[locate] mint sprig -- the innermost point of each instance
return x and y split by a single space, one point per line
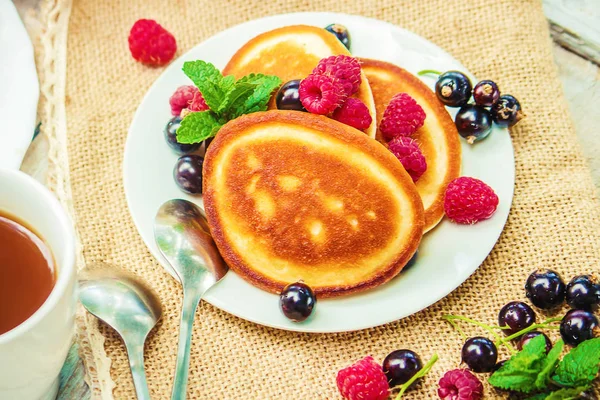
520 372
580 366
531 370
226 98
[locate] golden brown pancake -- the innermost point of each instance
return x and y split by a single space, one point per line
292 52
437 138
294 196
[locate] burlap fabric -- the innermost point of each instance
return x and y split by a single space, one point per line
554 220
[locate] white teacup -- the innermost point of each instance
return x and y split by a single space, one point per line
32 354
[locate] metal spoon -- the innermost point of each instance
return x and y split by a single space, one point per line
183 237
129 307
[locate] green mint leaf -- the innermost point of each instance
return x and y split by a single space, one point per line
259 99
209 81
198 126
227 83
226 97
566 394
520 372
235 98
549 365
580 366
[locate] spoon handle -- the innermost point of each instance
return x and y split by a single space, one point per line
135 353
191 298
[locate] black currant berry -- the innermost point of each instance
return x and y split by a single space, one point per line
578 326
517 316
188 173
473 123
507 111
453 88
583 292
288 97
545 289
297 301
401 365
480 354
341 32
486 93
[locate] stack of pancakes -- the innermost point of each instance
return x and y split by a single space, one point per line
294 196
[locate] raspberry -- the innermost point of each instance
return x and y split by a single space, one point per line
460 384
363 380
408 152
319 94
469 200
402 117
198 103
354 113
150 43
182 98
344 70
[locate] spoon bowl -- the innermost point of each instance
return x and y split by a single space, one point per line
183 237
127 305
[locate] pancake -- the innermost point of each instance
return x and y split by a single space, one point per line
294 196
437 138
292 52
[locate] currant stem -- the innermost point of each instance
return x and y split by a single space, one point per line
458 328
421 373
428 71
449 317
489 328
541 325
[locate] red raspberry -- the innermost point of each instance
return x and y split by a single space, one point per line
198 103
150 43
408 152
402 117
344 70
354 113
469 200
363 380
319 94
460 384
182 98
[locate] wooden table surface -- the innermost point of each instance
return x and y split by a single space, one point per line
581 85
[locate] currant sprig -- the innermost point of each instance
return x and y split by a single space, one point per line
492 329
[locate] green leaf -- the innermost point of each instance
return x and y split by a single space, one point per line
227 83
580 366
209 81
226 97
520 372
235 98
259 99
566 394
549 365
198 126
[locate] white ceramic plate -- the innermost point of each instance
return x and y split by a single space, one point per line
19 87
447 255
